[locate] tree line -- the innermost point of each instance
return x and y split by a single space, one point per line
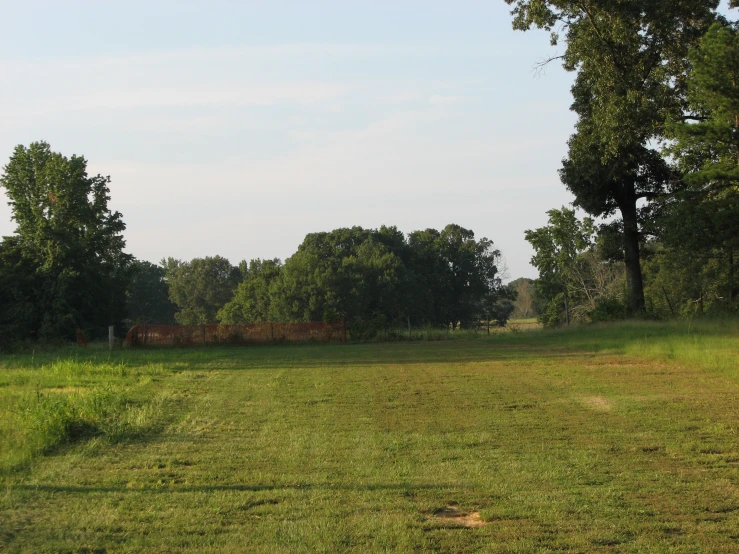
653 162
655 154
65 269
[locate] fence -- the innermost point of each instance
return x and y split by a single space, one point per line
250 333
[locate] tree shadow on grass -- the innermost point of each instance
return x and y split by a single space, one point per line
168 489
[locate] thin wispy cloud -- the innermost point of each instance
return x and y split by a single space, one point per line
249 143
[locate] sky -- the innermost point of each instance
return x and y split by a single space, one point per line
236 128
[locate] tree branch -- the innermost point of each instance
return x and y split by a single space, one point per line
601 36
541 65
693 117
648 195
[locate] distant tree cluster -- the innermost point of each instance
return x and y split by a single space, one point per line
65 270
377 278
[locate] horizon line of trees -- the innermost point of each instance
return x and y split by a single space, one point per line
655 153
65 269
369 278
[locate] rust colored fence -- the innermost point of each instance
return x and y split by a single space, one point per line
250 333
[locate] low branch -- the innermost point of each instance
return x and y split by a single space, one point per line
693 117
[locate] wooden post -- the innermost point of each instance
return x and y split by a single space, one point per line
731 277
111 336
202 331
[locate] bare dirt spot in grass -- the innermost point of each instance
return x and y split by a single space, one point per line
452 514
598 403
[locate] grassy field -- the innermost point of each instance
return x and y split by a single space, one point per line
619 438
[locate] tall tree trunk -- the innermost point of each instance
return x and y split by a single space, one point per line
634 280
731 276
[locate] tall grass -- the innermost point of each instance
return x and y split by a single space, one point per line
68 400
708 345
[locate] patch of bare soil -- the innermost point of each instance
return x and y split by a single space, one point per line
452 514
598 403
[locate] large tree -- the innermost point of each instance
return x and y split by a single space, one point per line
344 274
452 272
704 215
630 57
70 242
377 278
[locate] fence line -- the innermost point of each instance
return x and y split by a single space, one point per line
249 333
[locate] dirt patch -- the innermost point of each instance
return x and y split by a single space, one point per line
598 403
452 514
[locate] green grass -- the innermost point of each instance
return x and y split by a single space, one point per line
613 438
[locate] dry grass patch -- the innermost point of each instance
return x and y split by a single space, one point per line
598 403
452 514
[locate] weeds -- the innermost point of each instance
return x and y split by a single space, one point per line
66 400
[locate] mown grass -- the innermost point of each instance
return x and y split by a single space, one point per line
612 438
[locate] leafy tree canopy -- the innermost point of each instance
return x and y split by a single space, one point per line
148 295
70 241
200 287
631 60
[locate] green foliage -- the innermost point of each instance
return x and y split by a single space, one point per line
200 287
373 279
251 301
707 138
631 58
608 309
148 295
498 306
526 304
684 282
702 218
574 279
68 244
342 275
19 283
452 274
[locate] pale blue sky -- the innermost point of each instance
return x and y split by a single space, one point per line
235 128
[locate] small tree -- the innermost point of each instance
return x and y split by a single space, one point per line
573 278
525 302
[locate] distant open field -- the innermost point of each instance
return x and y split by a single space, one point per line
621 438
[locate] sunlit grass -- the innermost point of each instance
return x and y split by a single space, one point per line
601 438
